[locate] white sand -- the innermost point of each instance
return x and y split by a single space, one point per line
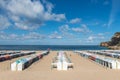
84 69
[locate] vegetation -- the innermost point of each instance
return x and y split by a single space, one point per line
113 43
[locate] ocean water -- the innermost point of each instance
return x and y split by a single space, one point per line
52 47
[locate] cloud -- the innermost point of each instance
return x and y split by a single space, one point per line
55 35
24 26
78 29
97 37
55 17
33 35
49 6
29 36
71 32
4 36
29 14
82 29
76 20
91 38
65 31
64 28
4 23
114 12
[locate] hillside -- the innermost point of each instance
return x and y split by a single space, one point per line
114 43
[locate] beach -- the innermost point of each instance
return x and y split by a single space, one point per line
84 69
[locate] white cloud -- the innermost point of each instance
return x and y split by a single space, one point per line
33 35
76 20
49 6
83 29
64 28
55 17
114 12
78 29
71 32
26 26
65 31
97 37
29 36
55 35
28 14
4 23
91 38
4 36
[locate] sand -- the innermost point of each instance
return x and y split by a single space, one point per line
84 69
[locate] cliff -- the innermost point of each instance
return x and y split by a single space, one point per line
114 43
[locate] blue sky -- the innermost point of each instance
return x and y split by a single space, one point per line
58 22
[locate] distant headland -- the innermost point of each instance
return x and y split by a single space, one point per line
114 43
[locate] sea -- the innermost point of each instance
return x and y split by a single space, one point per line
51 47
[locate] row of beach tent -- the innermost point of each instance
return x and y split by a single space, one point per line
8 52
106 62
11 55
111 51
23 63
62 61
105 53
